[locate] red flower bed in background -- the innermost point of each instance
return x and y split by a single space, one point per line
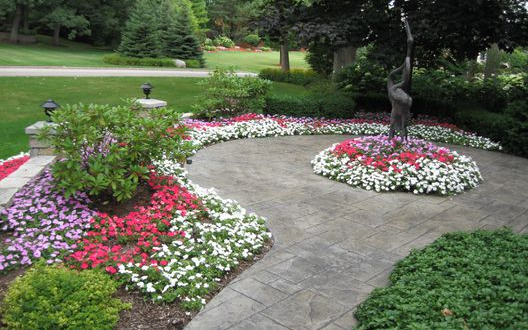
9 166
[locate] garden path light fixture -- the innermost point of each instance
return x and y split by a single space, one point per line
147 88
49 106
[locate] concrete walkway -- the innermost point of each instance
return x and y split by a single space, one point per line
35 71
334 243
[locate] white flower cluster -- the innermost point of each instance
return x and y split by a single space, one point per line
267 127
213 244
432 176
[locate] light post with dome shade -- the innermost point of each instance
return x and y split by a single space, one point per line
49 106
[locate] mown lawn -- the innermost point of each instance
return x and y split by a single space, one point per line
44 54
22 97
253 62
74 54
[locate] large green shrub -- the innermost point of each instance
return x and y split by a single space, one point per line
227 94
509 128
294 76
117 59
320 58
107 150
362 77
224 42
474 280
252 39
311 105
58 298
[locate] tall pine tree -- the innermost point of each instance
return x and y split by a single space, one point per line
141 36
179 40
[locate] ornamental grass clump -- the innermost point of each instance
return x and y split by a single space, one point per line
383 164
475 280
53 297
106 150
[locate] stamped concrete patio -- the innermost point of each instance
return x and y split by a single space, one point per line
335 243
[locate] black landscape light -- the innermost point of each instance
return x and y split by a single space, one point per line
49 106
147 88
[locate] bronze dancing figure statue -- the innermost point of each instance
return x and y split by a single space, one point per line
399 96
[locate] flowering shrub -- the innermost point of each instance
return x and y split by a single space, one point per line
382 164
107 149
11 164
44 224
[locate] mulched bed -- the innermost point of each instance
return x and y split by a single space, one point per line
145 314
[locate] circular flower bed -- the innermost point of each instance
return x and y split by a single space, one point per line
381 164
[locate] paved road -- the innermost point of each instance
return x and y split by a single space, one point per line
102 72
335 243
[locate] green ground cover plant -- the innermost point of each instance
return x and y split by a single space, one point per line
464 280
53 297
23 96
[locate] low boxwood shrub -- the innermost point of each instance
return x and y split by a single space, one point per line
227 94
194 64
49 297
106 149
475 280
311 105
117 59
294 76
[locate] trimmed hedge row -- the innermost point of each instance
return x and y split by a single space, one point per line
117 59
311 105
294 76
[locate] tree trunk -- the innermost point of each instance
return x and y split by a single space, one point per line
284 57
56 35
343 57
26 19
13 37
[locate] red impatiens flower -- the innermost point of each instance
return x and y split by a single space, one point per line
139 232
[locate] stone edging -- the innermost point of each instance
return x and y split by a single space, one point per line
16 180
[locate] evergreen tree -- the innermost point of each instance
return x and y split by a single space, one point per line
141 37
200 12
180 42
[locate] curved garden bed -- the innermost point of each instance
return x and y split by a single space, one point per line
382 164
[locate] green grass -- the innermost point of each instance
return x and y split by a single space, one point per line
78 54
44 54
23 96
253 62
